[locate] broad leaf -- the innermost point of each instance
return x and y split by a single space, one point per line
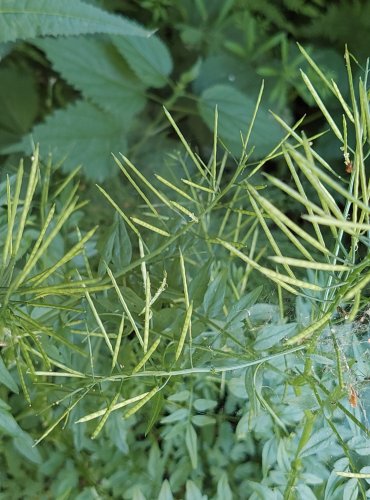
94 67
18 104
26 19
235 111
148 57
80 134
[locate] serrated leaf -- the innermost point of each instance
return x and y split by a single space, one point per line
235 112
192 445
6 378
26 19
149 58
93 66
80 134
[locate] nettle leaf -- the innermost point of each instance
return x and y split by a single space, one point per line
32 18
149 58
94 67
80 134
18 103
235 112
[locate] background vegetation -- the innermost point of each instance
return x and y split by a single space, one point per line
200 328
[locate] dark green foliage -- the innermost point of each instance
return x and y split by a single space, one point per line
204 53
210 339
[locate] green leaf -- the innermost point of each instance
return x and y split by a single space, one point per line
18 104
239 311
32 18
350 491
24 444
8 424
223 488
165 493
115 246
273 334
80 134
215 295
149 58
202 420
204 404
235 111
6 378
193 492
225 69
191 441
176 416
198 285
94 67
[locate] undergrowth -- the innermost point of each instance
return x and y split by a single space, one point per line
207 344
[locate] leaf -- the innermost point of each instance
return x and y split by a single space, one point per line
149 58
6 378
176 416
225 69
155 412
322 439
80 134
215 295
193 492
273 334
165 493
192 445
239 311
204 404
26 19
18 103
93 66
223 488
235 111
202 420
8 424
198 285
350 491
25 445
115 246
